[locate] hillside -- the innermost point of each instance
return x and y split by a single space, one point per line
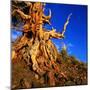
72 72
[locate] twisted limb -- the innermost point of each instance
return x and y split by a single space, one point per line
21 13
46 19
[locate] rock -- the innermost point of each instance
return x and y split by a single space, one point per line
25 83
42 80
36 76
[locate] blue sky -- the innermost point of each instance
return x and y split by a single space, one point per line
76 33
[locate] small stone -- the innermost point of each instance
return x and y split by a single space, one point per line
25 83
36 76
42 80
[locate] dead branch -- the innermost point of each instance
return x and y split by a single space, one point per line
54 34
66 23
21 13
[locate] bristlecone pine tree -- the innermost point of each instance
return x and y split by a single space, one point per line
34 56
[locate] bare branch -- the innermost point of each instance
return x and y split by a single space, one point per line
28 3
49 16
66 23
54 34
23 16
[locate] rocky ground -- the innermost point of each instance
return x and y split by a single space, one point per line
72 72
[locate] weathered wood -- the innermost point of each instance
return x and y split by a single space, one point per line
35 46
